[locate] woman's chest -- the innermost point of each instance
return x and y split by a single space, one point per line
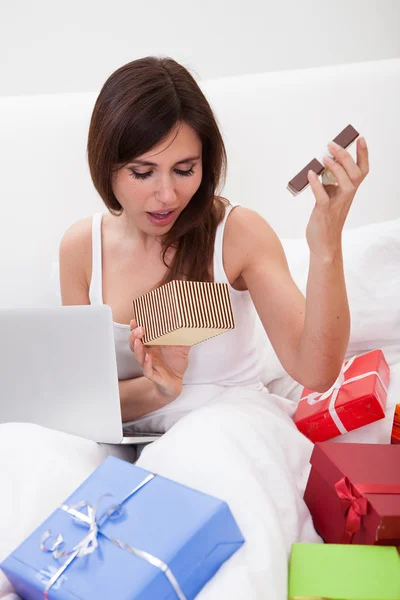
127 276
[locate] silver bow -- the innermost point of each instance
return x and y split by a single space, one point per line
90 543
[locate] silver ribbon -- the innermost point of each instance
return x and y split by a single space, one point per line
90 542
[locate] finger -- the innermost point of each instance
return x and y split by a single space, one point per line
344 158
343 180
136 334
321 197
132 339
139 351
149 371
132 325
363 156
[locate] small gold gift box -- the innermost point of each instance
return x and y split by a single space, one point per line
184 313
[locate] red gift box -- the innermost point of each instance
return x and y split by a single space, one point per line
353 493
357 398
395 437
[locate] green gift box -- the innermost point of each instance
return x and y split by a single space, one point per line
344 572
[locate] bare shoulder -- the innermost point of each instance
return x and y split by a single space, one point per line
249 234
77 240
79 234
76 249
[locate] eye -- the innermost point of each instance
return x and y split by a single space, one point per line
137 175
185 173
140 175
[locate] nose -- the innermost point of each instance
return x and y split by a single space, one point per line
165 192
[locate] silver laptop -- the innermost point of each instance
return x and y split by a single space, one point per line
58 369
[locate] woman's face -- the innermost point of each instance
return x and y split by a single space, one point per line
154 188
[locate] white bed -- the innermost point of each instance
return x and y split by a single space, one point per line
241 448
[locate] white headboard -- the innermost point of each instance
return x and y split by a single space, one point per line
276 123
273 124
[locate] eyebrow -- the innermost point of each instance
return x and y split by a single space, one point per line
148 163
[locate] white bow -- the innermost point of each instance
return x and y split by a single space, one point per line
315 397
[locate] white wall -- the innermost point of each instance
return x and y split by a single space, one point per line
50 46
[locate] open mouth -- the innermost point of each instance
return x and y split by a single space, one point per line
161 218
161 215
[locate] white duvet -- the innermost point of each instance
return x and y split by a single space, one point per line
241 447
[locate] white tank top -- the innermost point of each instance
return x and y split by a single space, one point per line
230 359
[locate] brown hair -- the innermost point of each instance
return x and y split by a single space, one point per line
138 106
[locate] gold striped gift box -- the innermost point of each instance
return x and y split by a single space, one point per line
184 313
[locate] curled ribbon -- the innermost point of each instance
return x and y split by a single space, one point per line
315 397
89 543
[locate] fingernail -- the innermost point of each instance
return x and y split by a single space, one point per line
311 174
137 331
363 143
131 325
328 159
134 345
146 358
334 145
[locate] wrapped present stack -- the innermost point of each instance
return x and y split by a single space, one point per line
125 533
184 313
357 398
353 494
353 491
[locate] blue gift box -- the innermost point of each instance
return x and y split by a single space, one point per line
189 532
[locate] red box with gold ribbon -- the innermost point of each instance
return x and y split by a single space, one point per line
396 426
353 493
357 398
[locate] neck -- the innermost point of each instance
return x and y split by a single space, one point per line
129 230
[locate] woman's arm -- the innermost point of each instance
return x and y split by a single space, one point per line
310 336
138 396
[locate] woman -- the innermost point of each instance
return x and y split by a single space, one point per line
156 158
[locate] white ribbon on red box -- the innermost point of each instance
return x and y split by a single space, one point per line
316 397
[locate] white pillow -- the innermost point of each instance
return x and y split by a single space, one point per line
372 269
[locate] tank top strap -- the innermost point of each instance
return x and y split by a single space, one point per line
96 282
219 271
